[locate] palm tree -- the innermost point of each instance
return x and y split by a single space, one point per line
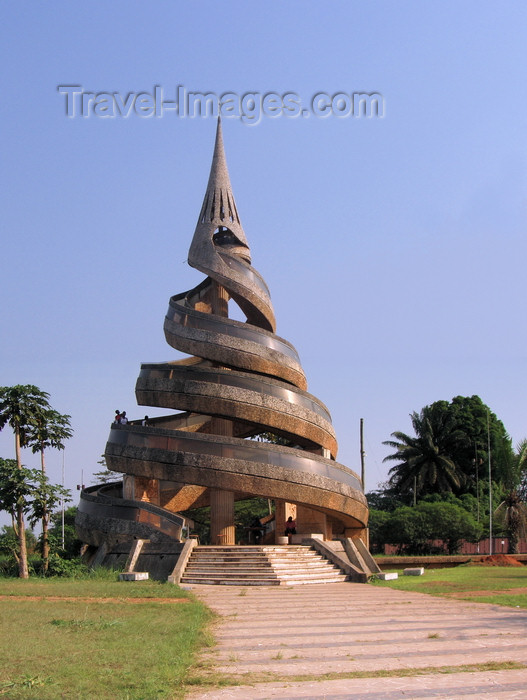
512 515
50 429
512 511
426 461
20 407
521 456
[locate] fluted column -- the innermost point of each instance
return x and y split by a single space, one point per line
222 529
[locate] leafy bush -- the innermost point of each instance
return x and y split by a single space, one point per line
376 523
72 568
413 529
9 541
72 545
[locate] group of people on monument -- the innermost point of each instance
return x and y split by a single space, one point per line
120 417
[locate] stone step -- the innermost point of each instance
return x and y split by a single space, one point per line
311 575
293 555
263 564
204 581
219 556
259 565
303 549
261 581
256 560
315 566
244 549
235 571
235 558
236 561
247 547
296 582
264 570
281 564
231 574
292 560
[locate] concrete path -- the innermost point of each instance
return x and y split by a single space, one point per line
279 633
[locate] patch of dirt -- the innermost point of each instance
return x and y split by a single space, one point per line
498 560
509 591
74 599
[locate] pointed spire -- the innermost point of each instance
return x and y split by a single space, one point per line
219 173
219 207
220 250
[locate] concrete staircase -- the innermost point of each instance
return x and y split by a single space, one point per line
265 565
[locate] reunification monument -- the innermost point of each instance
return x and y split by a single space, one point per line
240 380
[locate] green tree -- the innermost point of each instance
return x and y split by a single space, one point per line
247 513
10 549
377 520
450 523
72 545
414 530
479 425
50 430
521 454
27 490
406 528
44 498
273 438
105 476
15 492
20 407
450 450
425 463
384 498
511 514
9 541
522 459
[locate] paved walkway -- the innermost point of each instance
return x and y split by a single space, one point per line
286 632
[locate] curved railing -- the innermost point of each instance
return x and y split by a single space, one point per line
101 507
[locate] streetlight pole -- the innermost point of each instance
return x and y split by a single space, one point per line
362 454
62 517
477 474
490 484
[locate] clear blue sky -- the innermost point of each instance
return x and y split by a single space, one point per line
394 248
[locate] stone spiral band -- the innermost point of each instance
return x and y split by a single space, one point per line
239 380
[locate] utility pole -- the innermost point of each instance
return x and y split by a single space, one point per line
477 474
62 502
362 453
490 485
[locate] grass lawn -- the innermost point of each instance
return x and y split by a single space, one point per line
97 638
500 585
103 638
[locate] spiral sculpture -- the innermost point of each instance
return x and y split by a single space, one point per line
239 381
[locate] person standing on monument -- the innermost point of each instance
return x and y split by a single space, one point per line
290 527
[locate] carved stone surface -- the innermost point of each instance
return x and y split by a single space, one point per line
241 380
